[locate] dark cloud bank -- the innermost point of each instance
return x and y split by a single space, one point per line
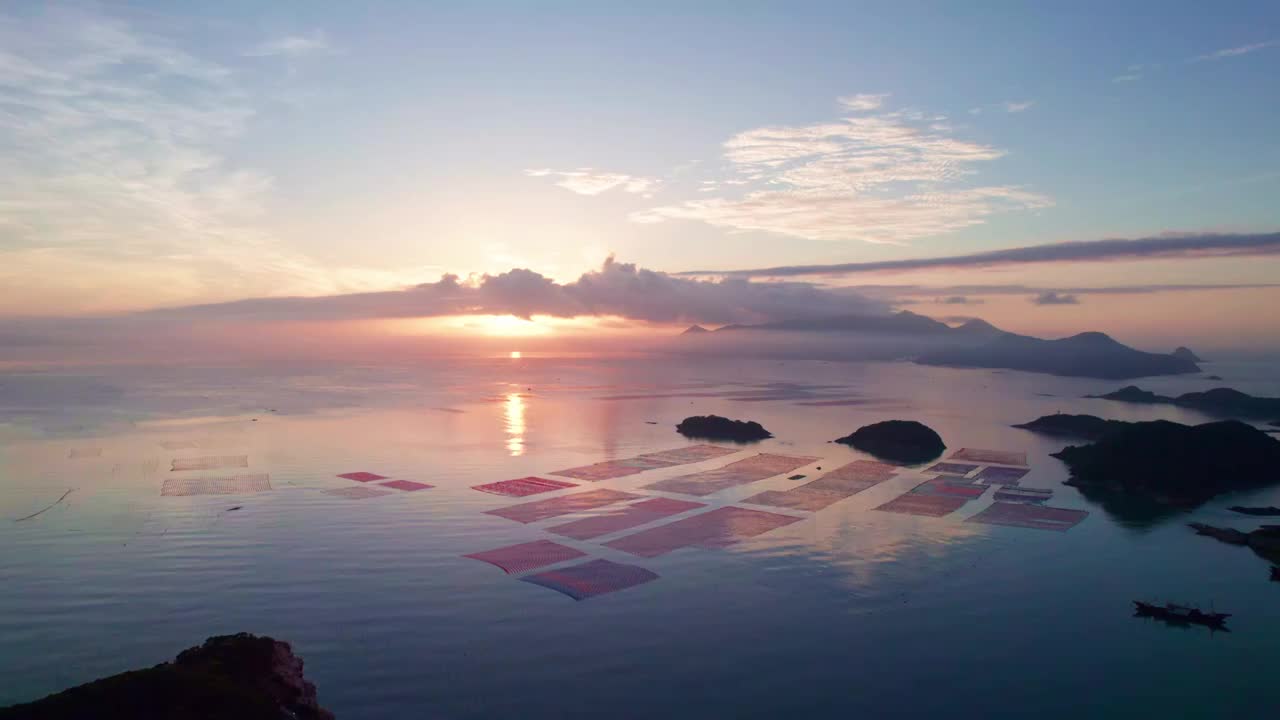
1161 246
1055 298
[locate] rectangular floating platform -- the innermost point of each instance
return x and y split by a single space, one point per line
211 462
717 528
596 472
79 453
1037 517
554 507
994 475
358 492
935 497
610 469
1022 495
593 578
362 476
950 468
998 457
924 505
800 498
523 487
689 454
236 485
742 472
952 487
624 518
843 482
528 556
406 485
179 444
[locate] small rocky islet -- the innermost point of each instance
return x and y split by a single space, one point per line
901 441
715 427
1088 427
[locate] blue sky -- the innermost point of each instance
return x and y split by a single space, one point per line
213 151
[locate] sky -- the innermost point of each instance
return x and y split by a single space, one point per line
177 154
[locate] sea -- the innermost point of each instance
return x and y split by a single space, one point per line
113 557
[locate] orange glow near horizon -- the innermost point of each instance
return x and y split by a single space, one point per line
511 326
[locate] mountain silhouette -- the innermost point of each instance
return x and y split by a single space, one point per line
974 344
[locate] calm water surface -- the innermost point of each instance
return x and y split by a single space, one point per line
847 611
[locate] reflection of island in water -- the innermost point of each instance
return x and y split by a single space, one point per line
1128 509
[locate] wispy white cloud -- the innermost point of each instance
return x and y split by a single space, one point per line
1135 72
586 181
1017 107
884 177
116 185
315 42
863 102
1235 51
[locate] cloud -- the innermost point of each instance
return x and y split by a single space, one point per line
1053 298
616 289
880 178
313 43
862 101
115 174
899 291
1134 73
1235 51
586 181
1017 107
1171 245
973 294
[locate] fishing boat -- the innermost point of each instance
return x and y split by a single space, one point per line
1180 614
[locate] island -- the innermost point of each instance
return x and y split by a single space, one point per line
907 335
1268 511
1088 427
900 441
229 677
1264 541
1186 354
1173 464
714 427
1090 354
1224 402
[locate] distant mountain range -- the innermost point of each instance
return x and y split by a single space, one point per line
975 344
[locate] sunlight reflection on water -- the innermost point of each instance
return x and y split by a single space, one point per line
515 424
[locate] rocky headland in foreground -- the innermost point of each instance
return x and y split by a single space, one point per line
229 677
